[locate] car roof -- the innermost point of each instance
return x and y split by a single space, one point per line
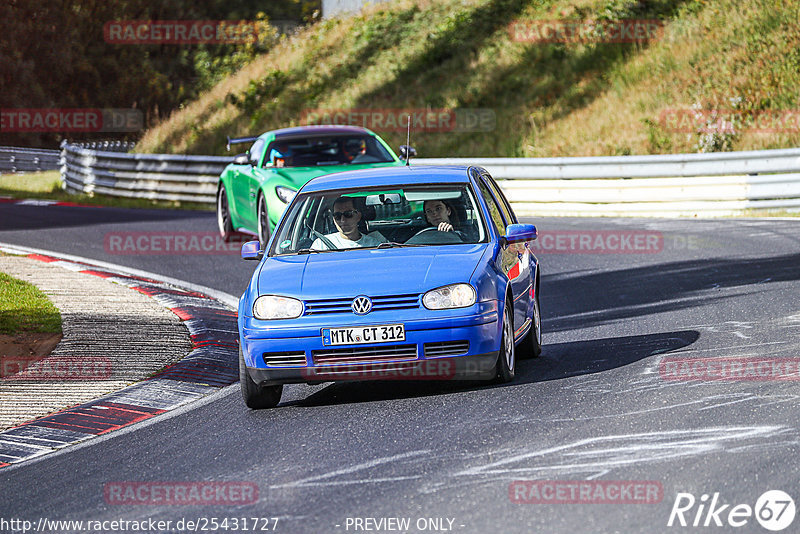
323 129
388 176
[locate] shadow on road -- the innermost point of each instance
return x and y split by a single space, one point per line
558 361
21 217
638 291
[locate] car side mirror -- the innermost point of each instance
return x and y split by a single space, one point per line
252 251
520 232
407 152
241 159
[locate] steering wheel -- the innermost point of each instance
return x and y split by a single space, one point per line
428 229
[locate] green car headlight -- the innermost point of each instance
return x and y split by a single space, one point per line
285 194
452 296
268 307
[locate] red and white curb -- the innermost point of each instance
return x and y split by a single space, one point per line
209 316
43 202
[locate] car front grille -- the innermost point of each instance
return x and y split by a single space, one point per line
382 303
285 359
350 355
446 348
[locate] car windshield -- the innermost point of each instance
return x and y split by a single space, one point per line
314 151
398 216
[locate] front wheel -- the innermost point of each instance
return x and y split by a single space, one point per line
256 396
224 224
507 358
263 222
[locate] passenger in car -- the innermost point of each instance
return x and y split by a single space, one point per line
441 215
280 156
346 218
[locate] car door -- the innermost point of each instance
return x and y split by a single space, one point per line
244 190
514 258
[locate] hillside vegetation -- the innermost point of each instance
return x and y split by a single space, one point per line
549 99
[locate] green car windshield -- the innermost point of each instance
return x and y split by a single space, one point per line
393 217
314 151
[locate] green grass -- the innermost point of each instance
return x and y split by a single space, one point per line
23 308
549 99
770 213
47 185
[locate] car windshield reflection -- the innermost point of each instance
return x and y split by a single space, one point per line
326 150
400 216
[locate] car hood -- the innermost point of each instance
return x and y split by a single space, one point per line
349 273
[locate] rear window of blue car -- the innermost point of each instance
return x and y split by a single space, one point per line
399 216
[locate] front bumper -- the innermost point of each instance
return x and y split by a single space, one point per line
471 367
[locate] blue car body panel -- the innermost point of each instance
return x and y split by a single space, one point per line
396 280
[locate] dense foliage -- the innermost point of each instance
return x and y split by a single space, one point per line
53 54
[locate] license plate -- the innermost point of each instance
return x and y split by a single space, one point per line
363 334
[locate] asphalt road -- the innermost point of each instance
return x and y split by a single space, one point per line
594 406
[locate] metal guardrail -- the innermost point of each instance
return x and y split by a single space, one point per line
106 146
665 185
149 176
719 183
16 159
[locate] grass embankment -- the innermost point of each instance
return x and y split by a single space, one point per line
47 185
23 308
549 99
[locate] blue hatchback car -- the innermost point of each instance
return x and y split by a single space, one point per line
416 273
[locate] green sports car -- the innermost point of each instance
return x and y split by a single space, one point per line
257 186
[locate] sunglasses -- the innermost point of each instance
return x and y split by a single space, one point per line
349 214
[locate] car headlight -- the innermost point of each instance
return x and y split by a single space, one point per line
275 307
284 193
452 296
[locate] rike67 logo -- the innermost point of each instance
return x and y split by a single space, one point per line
774 510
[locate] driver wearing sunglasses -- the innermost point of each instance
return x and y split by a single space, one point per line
346 218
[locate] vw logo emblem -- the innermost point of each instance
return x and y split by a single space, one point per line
361 305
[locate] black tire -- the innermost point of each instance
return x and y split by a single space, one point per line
531 345
262 216
224 224
255 396
506 360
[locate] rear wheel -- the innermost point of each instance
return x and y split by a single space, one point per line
224 223
506 360
256 396
531 345
263 222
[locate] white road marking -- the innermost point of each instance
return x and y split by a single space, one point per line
315 480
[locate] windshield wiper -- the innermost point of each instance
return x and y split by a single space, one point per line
308 251
392 244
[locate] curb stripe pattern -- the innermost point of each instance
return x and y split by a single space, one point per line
212 364
44 202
